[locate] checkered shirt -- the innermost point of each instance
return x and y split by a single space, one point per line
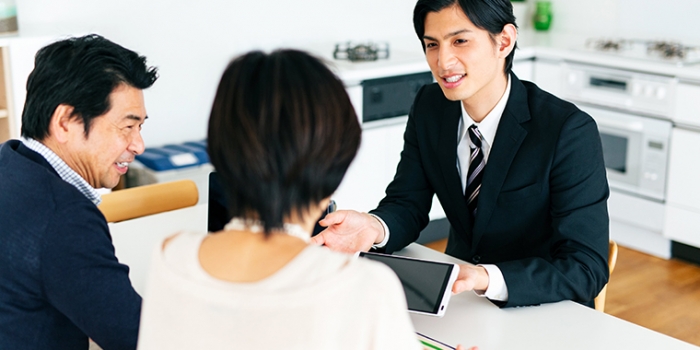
67 174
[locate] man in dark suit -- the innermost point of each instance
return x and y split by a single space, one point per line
518 171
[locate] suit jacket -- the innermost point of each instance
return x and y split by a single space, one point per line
542 213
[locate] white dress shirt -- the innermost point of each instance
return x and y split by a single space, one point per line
497 289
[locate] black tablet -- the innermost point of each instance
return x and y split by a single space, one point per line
427 284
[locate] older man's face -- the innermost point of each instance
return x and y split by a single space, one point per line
114 139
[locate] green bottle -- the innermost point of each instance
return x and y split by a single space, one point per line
543 15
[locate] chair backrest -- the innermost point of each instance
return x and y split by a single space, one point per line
612 260
148 199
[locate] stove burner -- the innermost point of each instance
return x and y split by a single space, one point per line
607 44
666 51
361 52
669 49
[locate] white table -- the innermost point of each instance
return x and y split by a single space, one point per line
469 320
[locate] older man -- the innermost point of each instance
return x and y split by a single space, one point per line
60 282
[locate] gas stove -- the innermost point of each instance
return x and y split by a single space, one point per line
361 52
665 51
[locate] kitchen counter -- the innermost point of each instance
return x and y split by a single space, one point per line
569 47
406 57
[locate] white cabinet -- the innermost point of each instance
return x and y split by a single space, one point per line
374 167
548 76
524 69
683 201
687 105
364 183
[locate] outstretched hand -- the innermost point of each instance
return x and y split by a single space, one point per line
470 277
349 231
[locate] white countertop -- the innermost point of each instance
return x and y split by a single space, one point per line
405 57
568 47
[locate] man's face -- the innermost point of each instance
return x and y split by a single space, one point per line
114 139
464 59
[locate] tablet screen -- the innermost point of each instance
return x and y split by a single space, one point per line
424 282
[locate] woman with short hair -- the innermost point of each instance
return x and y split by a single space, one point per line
282 133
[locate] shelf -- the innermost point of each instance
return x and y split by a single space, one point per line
4 113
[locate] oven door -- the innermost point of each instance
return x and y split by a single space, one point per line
635 151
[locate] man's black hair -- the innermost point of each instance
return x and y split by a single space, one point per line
490 15
80 72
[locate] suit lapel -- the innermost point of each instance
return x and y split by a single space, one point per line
447 144
509 136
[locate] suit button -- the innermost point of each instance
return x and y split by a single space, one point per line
476 259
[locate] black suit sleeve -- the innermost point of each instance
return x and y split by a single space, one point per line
579 220
409 196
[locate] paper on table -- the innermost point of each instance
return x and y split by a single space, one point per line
432 344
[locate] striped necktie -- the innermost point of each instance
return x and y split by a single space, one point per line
476 170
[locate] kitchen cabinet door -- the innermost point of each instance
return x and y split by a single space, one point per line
687 105
524 69
683 201
684 169
548 76
374 167
365 181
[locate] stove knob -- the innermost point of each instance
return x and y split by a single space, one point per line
648 91
636 89
572 78
661 93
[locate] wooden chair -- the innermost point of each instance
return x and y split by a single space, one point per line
145 200
612 260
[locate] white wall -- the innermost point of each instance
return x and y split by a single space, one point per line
192 41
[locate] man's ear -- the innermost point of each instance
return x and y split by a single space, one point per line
62 123
507 39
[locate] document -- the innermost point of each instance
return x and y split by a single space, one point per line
432 344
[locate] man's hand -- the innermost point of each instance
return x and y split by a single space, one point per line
349 231
471 277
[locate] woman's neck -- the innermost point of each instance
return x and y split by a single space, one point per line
243 254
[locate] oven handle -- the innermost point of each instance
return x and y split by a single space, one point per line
614 124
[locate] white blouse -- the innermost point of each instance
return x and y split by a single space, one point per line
319 300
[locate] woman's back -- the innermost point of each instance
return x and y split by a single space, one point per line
318 300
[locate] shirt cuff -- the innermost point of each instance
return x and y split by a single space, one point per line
381 244
497 289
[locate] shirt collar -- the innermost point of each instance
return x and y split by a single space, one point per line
489 124
64 171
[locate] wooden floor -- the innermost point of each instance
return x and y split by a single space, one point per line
659 294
